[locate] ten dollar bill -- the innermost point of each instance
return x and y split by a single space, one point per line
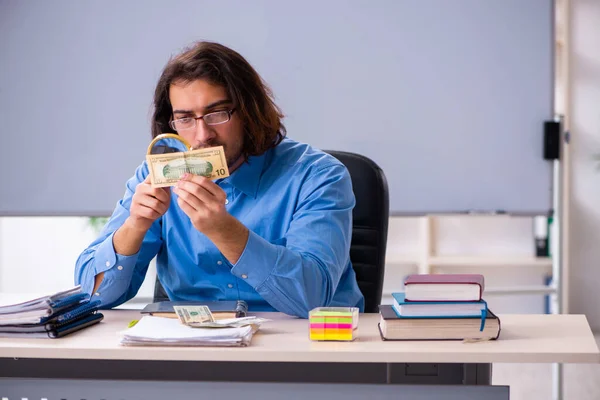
167 169
193 314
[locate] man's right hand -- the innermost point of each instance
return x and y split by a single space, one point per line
147 205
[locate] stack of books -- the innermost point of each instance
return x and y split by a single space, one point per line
439 307
52 316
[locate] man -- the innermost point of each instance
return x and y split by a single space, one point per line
275 233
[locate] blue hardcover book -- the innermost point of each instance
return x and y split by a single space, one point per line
438 309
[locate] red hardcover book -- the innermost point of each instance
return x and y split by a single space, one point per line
444 287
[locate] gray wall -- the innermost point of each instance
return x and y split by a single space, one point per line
448 97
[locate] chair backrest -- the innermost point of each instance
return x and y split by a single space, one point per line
369 227
369 224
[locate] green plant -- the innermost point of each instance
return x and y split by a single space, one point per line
97 223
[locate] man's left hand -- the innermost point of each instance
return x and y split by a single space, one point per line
204 202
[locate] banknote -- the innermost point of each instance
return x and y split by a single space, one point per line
167 169
193 314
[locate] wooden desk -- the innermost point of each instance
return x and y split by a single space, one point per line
523 339
281 352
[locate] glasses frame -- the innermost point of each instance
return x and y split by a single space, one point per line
229 112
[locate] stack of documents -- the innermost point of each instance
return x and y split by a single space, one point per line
157 331
52 316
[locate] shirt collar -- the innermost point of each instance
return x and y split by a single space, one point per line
247 177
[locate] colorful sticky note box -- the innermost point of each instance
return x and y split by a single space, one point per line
333 323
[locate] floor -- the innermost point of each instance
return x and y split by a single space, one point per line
534 381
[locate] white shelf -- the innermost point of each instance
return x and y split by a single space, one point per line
489 261
520 290
471 261
425 260
501 290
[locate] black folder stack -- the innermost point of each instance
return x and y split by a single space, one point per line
51 316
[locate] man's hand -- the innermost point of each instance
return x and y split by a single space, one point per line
204 202
147 205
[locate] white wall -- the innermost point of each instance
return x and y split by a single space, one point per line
37 255
584 93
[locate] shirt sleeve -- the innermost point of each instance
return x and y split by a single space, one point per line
303 271
123 275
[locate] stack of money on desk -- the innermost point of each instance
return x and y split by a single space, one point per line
195 326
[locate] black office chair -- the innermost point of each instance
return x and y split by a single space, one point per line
369 227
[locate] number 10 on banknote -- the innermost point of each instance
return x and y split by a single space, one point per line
168 168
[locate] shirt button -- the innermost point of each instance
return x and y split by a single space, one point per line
244 276
219 262
226 201
107 264
120 268
97 294
229 285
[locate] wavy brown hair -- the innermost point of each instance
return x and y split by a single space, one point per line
251 96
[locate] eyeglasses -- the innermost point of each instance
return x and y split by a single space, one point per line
214 118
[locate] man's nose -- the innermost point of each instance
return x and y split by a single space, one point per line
203 132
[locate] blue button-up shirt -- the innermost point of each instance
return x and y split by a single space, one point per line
296 202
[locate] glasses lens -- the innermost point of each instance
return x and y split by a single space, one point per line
218 117
184 123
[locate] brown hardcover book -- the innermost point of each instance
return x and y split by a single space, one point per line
393 327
